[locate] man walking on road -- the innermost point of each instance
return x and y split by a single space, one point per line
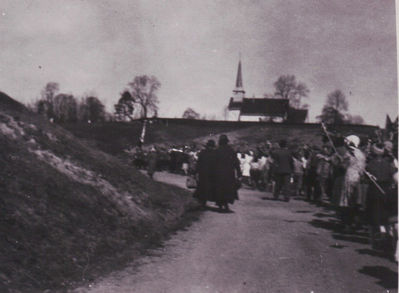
283 167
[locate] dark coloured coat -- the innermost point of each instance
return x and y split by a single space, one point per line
152 163
380 207
283 163
205 170
227 170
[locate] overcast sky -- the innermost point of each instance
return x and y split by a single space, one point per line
192 47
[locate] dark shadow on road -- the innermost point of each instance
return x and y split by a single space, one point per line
386 277
351 238
303 212
330 225
323 215
372 252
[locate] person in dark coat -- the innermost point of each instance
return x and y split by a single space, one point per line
378 205
283 168
227 174
205 170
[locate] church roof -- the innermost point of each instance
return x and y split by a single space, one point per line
297 115
261 107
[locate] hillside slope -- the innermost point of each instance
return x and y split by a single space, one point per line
66 208
295 135
114 137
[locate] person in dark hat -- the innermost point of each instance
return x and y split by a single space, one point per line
227 174
205 171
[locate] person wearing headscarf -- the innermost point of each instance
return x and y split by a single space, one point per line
227 174
205 171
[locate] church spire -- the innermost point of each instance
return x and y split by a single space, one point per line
239 90
239 76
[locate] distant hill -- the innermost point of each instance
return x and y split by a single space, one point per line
67 209
114 137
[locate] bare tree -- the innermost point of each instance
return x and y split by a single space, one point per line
65 108
124 109
45 105
334 110
143 93
288 88
91 109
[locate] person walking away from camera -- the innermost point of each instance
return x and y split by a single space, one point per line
298 173
378 204
262 166
185 161
267 172
227 174
152 162
283 167
241 159
255 173
323 172
312 192
205 171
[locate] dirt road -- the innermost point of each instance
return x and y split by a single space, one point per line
264 246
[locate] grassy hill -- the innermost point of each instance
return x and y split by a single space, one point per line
69 211
113 137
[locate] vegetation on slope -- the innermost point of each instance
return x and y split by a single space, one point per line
114 138
67 208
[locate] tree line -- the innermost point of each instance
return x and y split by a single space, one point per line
139 100
61 108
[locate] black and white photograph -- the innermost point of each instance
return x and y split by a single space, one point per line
199 146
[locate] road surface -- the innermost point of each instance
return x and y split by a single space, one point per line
263 246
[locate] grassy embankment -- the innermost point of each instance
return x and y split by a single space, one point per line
68 211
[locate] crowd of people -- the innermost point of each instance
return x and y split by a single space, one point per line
357 177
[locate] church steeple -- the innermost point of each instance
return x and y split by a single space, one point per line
239 90
239 77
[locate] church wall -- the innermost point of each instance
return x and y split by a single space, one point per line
233 115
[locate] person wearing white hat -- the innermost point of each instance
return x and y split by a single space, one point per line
351 162
352 141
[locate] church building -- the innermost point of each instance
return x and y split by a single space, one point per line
241 108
